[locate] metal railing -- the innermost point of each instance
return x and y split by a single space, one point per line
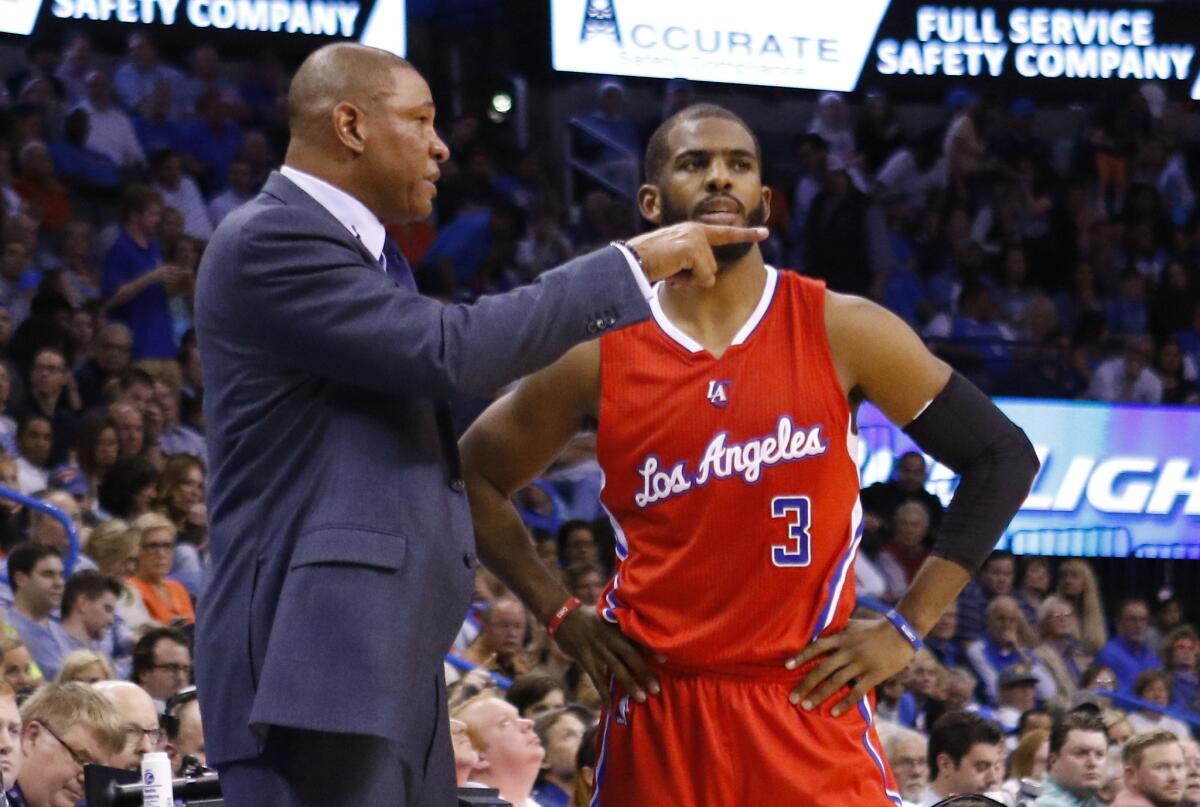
50 510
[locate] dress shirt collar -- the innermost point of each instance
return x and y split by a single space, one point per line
352 213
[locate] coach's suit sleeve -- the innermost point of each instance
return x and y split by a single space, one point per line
314 302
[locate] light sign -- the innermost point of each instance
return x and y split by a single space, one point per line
1114 479
1032 43
795 44
926 48
381 23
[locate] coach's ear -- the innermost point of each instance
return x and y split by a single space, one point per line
649 200
484 764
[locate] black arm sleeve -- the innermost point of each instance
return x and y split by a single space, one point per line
962 429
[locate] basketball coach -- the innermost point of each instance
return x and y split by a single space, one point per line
342 552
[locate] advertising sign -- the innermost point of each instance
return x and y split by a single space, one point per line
812 44
287 23
1115 480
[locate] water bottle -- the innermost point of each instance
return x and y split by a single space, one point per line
156 780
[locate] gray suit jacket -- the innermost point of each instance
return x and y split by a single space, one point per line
343 556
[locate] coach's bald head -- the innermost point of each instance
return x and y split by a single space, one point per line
362 119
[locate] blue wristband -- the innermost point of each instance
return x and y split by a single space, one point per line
906 630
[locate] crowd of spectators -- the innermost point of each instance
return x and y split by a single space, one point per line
1061 268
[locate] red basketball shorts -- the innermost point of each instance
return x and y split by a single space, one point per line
713 741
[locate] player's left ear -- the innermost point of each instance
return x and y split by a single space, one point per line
766 203
649 199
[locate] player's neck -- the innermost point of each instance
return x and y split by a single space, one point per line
714 316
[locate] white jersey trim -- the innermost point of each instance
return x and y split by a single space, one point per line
691 345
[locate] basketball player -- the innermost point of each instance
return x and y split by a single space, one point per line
736 513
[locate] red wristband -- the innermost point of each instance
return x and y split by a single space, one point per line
563 611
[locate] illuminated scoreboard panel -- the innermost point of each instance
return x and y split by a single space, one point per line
1115 480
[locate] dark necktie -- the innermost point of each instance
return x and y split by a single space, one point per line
396 266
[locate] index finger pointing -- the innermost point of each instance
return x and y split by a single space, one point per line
718 234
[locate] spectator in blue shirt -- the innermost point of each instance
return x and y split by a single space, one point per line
1181 648
156 130
136 280
995 578
211 143
84 170
36 573
1128 653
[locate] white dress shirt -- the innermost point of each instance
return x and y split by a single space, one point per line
111 133
360 221
353 214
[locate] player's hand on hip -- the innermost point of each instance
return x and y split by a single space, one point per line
684 250
603 651
866 653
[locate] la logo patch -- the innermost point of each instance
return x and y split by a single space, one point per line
622 714
718 392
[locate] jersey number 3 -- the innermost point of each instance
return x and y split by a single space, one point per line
798 549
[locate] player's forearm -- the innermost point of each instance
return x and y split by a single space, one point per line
506 548
933 590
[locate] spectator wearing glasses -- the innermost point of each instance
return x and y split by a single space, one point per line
1128 653
907 753
162 664
139 718
63 728
1181 647
112 353
50 398
1061 650
166 600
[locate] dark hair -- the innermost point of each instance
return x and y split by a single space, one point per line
121 484
1088 676
956 733
89 584
657 150
543 723
161 156
131 377
28 420
1000 554
170 718
25 557
1024 718
1128 601
1074 721
567 528
90 430
143 651
1147 677
578 571
529 688
586 756
138 199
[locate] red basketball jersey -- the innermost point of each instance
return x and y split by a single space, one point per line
732 485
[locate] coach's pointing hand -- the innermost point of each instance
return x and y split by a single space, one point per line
866 653
603 651
686 249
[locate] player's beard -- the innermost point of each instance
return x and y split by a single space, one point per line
725 254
